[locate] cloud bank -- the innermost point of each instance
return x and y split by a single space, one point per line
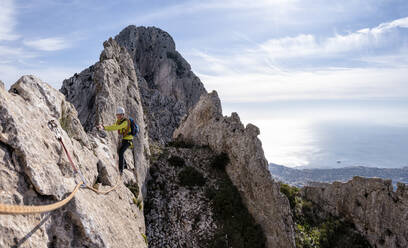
306 67
7 21
47 44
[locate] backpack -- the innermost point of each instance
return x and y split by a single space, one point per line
134 128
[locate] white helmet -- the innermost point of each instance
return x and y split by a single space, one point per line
120 110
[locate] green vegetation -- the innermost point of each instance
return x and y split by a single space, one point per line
314 229
96 185
65 120
190 177
63 123
180 144
144 237
220 161
134 188
155 152
139 204
236 227
292 193
176 161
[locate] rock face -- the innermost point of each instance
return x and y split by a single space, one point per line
168 87
34 171
248 169
176 215
378 213
97 91
191 202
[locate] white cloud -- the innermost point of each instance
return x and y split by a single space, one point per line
7 20
6 51
243 4
297 85
260 74
307 44
274 7
48 44
11 53
270 56
301 45
402 23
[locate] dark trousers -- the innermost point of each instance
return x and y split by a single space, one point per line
122 149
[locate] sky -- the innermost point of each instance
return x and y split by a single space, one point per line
257 54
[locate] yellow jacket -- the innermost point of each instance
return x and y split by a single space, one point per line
123 128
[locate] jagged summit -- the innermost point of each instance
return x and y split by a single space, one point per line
169 89
143 42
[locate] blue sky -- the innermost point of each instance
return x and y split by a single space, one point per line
287 49
253 52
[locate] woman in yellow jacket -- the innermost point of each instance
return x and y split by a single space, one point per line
123 126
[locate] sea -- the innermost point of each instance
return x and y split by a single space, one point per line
331 133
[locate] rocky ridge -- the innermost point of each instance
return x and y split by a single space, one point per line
157 93
35 170
97 91
378 212
168 87
248 168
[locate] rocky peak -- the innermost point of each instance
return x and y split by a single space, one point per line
97 91
111 50
248 168
148 48
168 86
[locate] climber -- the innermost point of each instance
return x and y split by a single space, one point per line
123 126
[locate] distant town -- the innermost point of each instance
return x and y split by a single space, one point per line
303 177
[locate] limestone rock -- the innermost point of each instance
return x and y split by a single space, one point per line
34 170
97 91
2 85
379 213
178 216
168 87
248 168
